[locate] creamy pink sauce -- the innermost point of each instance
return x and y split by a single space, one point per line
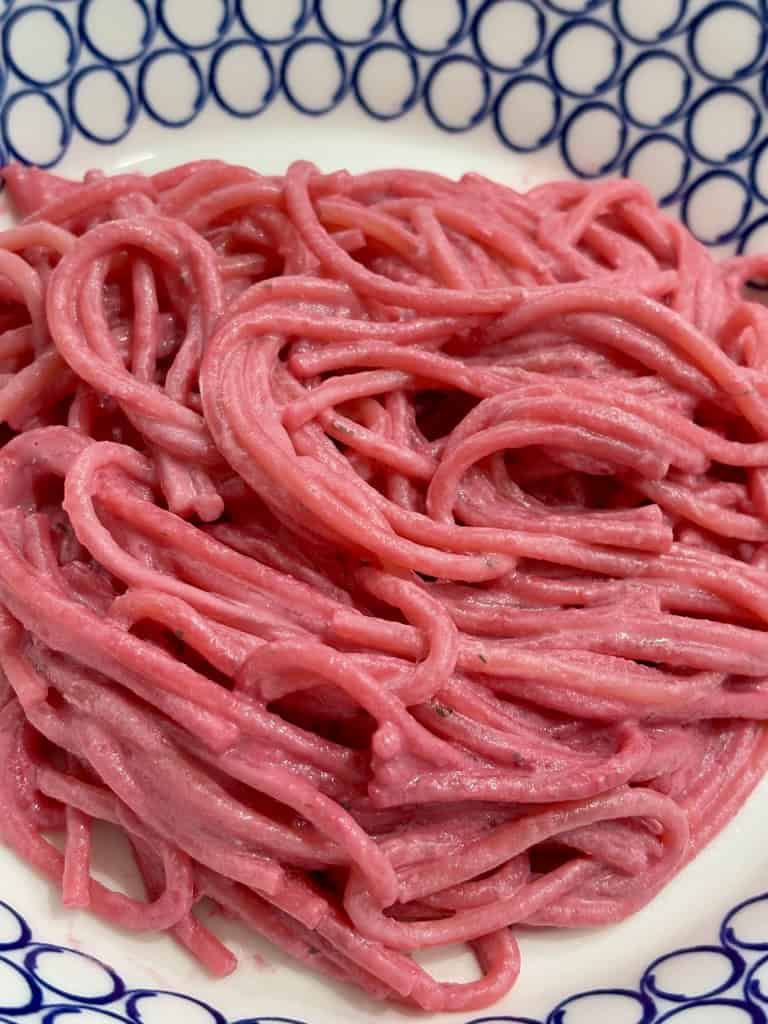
386 556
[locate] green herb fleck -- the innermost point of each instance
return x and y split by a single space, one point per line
442 710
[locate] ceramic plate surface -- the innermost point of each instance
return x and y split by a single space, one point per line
671 92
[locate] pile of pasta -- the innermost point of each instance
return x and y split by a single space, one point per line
385 556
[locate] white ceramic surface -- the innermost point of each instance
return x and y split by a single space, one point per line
536 106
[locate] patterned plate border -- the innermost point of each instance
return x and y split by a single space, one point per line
660 98
701 984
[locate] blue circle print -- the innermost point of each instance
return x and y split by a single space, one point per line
385 80
716 206
73 975
662 163
722 124
744 29
526 113
449 78
210 24
593 139
698 972
243 78
101 103
116 31
654 89
508 35
35 128
645 23
39 45
314 75
746 926
176 105
429 28
352 24
568 69
19 992
611 1004
274 22
14 930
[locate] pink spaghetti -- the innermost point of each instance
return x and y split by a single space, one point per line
385 556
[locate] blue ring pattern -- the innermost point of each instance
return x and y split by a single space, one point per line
225 20
716 9
50 101
730 232
45 997
61 22
660 35
470 33
535 51
571 124
82 75
548 133
570 29
304 44
359 91
379 21
459 40
439 68
643 59
719 92
85 32
215 85
171 55
305 13
440 47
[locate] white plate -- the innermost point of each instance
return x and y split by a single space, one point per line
668 90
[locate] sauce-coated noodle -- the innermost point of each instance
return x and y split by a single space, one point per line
385 556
